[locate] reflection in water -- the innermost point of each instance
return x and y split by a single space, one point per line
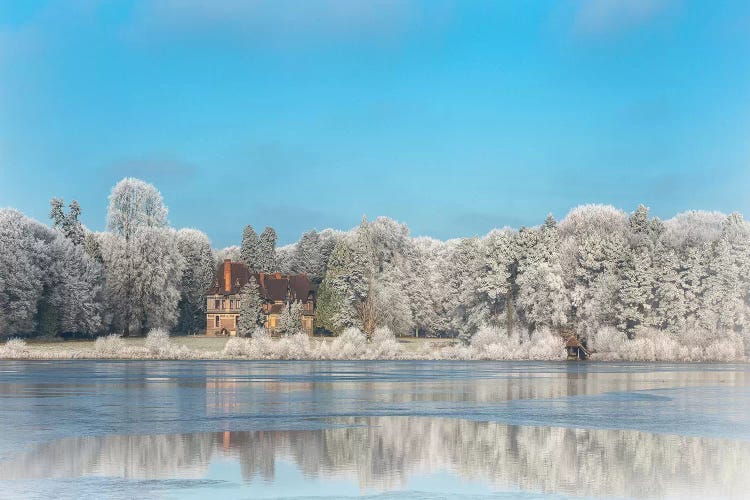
382 453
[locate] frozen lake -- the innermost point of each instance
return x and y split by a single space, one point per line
234 429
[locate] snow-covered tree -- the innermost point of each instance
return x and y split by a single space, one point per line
143 276
231 252
195 248
48 285
285 259
635 294
308 257
494 279
134 204
68 223
290 321
266 256
251 313
593 239
249 248
670 311
542 298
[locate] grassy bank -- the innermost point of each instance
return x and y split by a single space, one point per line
486 344
198 347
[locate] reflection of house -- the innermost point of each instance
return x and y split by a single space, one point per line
276 290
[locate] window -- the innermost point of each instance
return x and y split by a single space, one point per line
223 303
231 303
217 322
236 320
216 303
237 303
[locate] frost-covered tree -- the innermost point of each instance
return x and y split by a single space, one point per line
669 311
142 262
542 297
327 307
290 321
266 257
419 283
285 257
135 204
494 280
251 312
391 303
593 239
77 291
231 252
349 280
68 223
195 248
48 285
308 256
249 248
635 293
460 273
143 276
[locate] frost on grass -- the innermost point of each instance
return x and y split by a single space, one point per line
489 343
111 345
652 345
14 348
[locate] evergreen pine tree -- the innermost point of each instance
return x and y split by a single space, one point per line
266 254
251 309
249 248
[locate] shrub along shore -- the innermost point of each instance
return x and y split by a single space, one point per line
352 344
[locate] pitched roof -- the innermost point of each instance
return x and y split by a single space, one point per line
300 287
239 278
573 342
275 288
272 286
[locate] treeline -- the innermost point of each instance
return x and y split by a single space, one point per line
599 269
138 275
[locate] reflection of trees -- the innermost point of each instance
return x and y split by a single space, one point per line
383 452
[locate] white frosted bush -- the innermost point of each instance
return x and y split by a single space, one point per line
157 341
236 346
653 345
295 347
14 348
384 345
351 344
159 344
111 345
545 345
486 337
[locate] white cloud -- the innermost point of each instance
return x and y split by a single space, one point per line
595 17
284 21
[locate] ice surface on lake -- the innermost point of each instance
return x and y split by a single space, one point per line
384 429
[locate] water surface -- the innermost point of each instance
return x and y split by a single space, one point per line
227 429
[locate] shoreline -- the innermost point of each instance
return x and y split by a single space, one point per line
303 348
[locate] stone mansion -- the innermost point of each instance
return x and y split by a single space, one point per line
276 290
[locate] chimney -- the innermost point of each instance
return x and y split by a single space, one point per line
227 275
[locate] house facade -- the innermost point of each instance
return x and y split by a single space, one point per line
277 291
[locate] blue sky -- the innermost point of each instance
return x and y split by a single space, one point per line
454 117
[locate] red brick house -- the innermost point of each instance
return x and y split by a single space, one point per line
277 291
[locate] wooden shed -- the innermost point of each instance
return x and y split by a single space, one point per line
575 349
